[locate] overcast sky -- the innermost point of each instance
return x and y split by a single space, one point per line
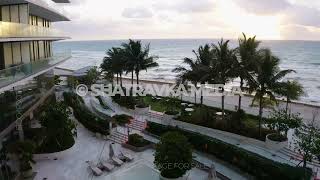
158 19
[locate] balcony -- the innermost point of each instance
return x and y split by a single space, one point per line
23 32
14 74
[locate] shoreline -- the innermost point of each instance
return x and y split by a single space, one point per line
160 82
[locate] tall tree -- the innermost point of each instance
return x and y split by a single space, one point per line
248 48
199 68
225 59
292 90
138 58
114 63
188 74
266 79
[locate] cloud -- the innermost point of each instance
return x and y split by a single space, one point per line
302 15
263 7
186 6
298 32
138 12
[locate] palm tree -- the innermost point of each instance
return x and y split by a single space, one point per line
114 63
292 90
190 74
224 62
266 79
138 58
247 51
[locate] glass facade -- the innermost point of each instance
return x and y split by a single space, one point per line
17 73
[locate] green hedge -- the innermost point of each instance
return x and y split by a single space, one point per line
137 141
254 164
85 116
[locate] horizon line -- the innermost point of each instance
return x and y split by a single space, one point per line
122 39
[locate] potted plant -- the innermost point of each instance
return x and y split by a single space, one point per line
281 122
142 108
173 156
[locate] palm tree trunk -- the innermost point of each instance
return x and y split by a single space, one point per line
132 77
222 103
287 106
121 79
260 113
240 97
201 98
117 78
195 95
137 74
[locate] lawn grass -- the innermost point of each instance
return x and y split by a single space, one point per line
206 116
161 105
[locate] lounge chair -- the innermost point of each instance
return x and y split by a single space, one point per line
117 161
106 165
95 170
127 156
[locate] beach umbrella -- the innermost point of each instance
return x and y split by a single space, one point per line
111 151
212 173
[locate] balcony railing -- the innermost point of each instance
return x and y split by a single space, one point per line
20 72
16 30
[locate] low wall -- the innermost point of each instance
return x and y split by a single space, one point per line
52 156
137 149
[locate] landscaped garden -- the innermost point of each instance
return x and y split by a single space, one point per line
85 116
256 165
260 76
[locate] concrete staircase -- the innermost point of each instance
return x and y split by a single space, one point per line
137 125
118 137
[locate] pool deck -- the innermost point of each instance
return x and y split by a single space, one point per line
73 166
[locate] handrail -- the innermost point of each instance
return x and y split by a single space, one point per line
19 72
19 30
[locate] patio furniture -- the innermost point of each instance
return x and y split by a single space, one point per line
106 165
116 161
94 168
127 156
189 109
220 113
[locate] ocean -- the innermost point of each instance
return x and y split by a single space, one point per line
301 56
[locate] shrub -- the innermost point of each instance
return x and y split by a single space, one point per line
125 101
254 164
172 149
85 116
277 137
25 150
59 129
137 140
172 112
122 119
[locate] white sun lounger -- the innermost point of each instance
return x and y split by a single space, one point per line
95 170
107 166
117 161
127 156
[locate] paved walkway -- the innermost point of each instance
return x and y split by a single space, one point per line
220 166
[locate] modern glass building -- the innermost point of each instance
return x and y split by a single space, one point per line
26 62
26 36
